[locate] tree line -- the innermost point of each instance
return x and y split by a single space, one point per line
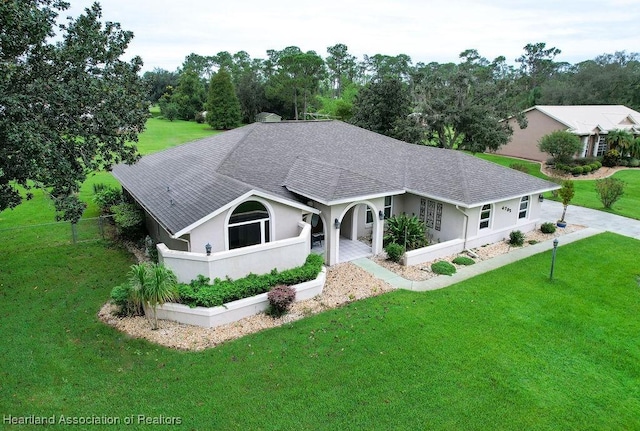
451 105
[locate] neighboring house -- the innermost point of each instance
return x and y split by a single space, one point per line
261 196
590 122
268 117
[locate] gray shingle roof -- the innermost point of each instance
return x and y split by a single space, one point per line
328 160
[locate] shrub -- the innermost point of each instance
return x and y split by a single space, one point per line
199 293
394 251
280 300
598 163
609 190
519 167
106 197
561 145
443 267
463 260
634 163
405 230
576 170
129 220
516 238
623 162
153 285
595 166
586 169
547 227
122 296
611 158
201 117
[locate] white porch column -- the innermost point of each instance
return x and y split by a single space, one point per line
585 146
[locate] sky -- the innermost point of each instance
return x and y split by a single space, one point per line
166 31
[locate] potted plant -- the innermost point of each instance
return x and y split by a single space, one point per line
566 194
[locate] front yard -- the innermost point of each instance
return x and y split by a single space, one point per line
505 350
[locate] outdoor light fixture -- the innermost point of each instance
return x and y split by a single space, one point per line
208 248
540 198
553 257
380 215
336 223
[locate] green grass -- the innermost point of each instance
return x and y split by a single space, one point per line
500 351
159 134
586 196
534 167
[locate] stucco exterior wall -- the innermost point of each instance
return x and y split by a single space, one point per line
524 142
284 224
257 259
504 219
451 220
160 235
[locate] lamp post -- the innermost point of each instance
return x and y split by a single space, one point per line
553 257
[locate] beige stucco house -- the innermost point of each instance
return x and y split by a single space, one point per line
265 195
590 122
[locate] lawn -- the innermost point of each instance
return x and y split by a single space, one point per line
586 196
159 134
506 350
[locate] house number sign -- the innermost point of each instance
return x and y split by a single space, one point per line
507 209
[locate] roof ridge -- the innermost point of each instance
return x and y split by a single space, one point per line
237 144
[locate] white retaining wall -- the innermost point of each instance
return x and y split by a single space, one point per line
257 259
236 310
433 252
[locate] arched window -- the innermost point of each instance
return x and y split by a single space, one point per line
485 216
248 225
524 207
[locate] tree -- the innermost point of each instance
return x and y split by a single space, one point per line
189 96
342 67
152 285
66 108
223 108
561 145
158 81
609 190
462 105
383 106
566 193
620 140
536 66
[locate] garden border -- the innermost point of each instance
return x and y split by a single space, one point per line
210 317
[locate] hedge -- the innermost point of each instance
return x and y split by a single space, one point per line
199 293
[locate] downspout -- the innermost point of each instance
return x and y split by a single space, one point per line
466 226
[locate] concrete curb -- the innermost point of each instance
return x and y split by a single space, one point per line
472 270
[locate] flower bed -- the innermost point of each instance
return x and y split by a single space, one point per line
233 311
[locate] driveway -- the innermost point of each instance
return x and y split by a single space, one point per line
551 211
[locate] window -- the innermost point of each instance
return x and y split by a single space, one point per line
485 216
388 204
524 207
602 146
248 225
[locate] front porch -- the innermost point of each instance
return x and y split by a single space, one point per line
348 249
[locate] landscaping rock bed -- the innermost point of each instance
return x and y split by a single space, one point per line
423 271
345 283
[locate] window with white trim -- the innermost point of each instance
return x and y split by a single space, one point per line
524 207
388 207
249 225
602 146
485 216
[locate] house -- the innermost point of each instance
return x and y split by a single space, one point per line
268 117
590 122
266 195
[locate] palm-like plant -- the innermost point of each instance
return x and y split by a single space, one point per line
406 231
634 149
152 285
620 140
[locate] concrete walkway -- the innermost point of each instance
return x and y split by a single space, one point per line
468 271
551 211
596 222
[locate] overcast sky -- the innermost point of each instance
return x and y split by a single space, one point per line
166 31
